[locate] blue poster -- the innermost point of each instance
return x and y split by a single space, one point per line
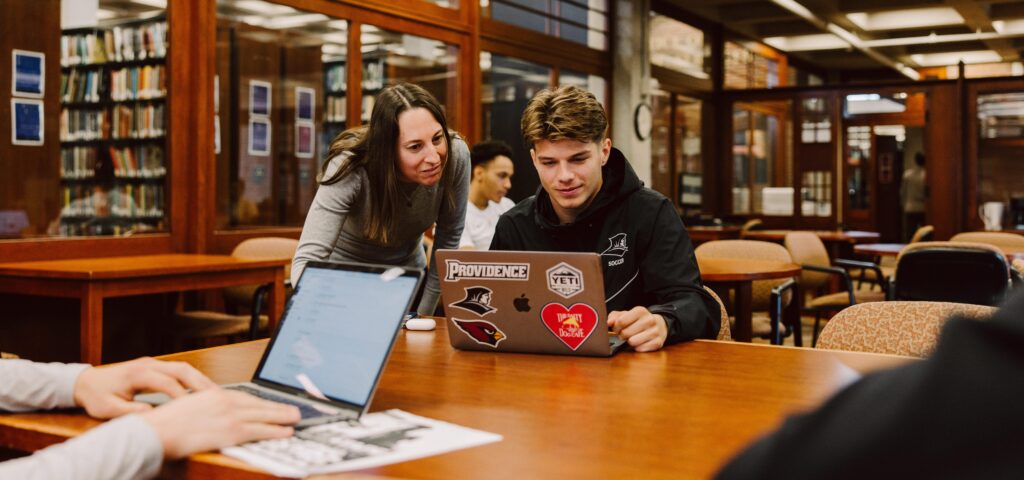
259 137
259 98
26 122
28 68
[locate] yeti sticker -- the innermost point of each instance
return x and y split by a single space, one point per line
478 301
565 280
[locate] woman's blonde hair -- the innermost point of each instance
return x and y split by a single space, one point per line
567 112
374 148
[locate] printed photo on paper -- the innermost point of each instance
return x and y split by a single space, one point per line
26 122
259 98
259 137
27 73
304 135
304 100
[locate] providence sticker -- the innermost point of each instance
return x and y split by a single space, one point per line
484 333
456 270
565 280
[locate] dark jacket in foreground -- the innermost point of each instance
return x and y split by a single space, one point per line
646 254
959 414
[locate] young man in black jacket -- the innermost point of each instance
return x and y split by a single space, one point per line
592 201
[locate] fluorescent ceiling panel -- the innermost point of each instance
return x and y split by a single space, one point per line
292 21
953 58
904 19
804 43
257 6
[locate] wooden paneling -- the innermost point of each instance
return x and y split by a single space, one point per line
944 163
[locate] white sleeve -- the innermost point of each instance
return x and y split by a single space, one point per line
26 385
125 448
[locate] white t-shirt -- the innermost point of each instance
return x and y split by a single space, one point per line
480 224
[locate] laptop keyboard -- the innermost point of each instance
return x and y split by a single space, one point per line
307 410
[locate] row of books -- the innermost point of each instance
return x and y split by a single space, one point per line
123 201
141 161
138 121
77 162
117 44
335 77
84 124
373 75
121 227
136 83
82 86
335 111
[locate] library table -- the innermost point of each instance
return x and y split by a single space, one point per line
681 412
700 234
893 249
92 280
738 275
838 241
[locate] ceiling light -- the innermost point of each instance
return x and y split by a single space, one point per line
797 9
265 8
905 19
292 21
338 25
341 38
152 3
953 58
845 35
801 43
104 14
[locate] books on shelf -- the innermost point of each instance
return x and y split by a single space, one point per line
119 44
373 74
141 161
137 121
335 111
83 124
137 83
78 162
335 78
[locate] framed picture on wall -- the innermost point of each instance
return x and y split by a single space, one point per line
305 98
28 73
304 136
259 98
259 137
26 122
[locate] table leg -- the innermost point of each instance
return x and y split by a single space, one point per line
275 301
91 325
744 315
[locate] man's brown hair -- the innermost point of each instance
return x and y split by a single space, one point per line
567 112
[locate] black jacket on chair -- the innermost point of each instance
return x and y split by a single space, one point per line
646 254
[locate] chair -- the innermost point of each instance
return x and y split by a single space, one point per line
723 329
201 324
768 311
923 234
888 264
11 356
1005 241
752 224
809 251
897 328
960 272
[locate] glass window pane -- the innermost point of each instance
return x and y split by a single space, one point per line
661 142
582 22
392 57
508 84
678 46
595 84
858 167
1000 169
276 111
688 151
749 65
762 159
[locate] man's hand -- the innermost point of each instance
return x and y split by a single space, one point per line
106 392
217 418
645 331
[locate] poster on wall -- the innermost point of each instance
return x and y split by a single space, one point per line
305 98
259 137
27 73
26 122
304 140
259 98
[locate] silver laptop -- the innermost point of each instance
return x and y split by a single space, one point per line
333 340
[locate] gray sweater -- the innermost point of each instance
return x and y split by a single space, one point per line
334 225
125 448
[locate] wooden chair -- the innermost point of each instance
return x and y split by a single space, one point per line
963 272
723 330
1005 241
204 324
768 314
752 224
897 328
818 271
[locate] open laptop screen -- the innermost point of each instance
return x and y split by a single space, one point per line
338 330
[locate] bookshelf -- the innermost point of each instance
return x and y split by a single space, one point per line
113 117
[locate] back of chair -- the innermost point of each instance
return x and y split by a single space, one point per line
1003 240
261 247
749 250
952 272
752 224
923 234
898 328
723 330
807 249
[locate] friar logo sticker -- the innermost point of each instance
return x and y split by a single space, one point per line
478 301
456 270
484 333
565 280
617 246
572 325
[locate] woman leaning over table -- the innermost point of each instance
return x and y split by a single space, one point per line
384 184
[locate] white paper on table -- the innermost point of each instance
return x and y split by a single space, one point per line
379 438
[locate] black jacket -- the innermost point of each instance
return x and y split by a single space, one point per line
646 254
955 415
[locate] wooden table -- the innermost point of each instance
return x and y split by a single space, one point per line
678 413
94 279
893 249
737 274
701 234
838 241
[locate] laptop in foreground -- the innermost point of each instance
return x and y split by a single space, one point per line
529 302
333 341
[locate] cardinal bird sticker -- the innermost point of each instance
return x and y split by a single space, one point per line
484 333
572 325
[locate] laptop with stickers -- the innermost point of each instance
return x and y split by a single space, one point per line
527 302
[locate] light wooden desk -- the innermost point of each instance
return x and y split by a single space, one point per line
678 413
738 275
92 280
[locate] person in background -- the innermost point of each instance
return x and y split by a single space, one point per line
592 201
135 444
491 180
913 196
384 184
956 414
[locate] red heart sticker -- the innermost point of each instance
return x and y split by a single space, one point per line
572 325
